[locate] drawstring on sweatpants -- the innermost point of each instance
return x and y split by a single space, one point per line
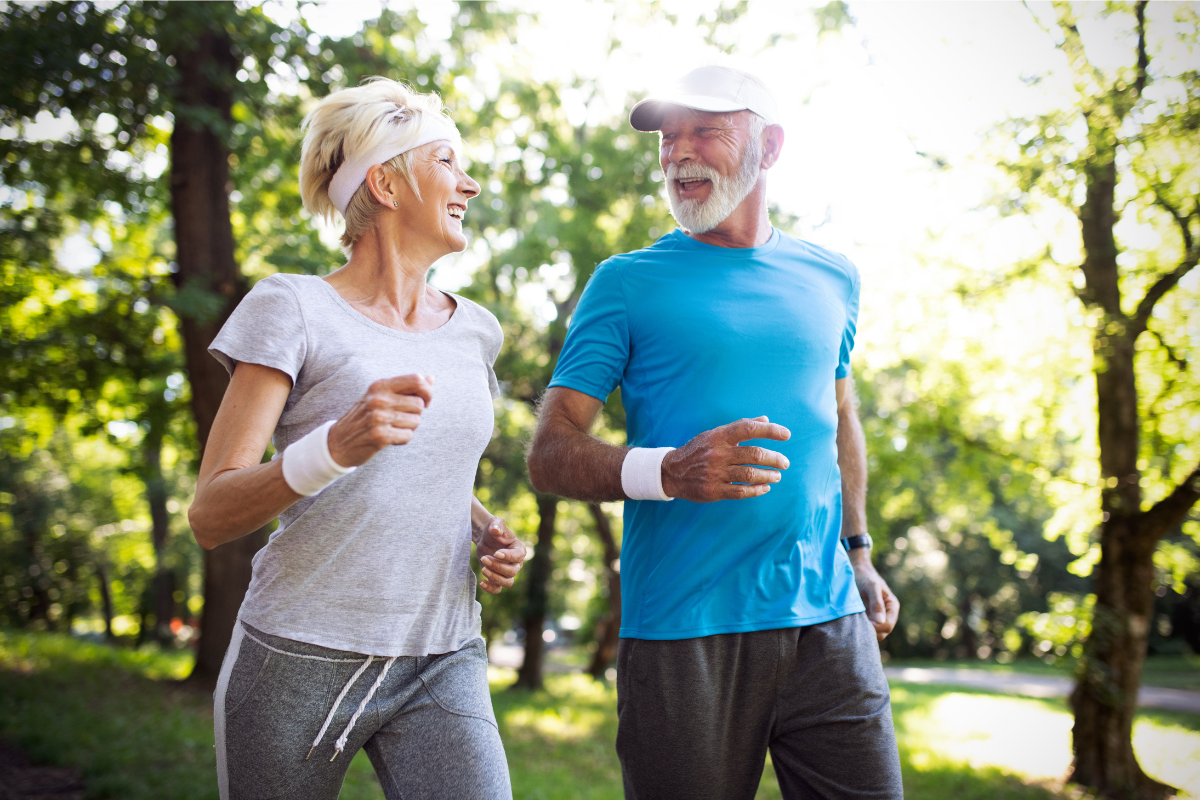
341 741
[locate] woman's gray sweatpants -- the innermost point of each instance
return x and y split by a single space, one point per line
428 729
697 716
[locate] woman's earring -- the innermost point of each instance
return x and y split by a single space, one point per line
395 204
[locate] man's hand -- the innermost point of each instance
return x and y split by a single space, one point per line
713 466
501 553
883 609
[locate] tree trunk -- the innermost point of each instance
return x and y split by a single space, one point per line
39 600
163 603
210 286
1105 697
105 601
608 629
538 579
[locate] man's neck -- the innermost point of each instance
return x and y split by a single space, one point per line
748 226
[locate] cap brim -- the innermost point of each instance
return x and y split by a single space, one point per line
648 114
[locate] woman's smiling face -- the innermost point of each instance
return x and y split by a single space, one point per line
445 189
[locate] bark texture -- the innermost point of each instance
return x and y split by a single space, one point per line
608 629
537 577
210 286
160 521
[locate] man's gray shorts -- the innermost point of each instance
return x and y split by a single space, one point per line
697 716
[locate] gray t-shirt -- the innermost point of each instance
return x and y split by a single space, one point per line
379 562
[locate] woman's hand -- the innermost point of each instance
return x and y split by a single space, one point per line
386 415
501 553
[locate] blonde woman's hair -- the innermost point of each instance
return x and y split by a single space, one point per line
357 120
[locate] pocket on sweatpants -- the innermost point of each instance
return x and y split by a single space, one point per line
458 682
247 671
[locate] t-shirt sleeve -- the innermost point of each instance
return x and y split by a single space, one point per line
493 341
596 351
843 368
266 328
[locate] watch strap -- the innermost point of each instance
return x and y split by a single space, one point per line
855 542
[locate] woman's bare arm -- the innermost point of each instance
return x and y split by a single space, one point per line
236 494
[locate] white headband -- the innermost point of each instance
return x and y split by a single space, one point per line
353 171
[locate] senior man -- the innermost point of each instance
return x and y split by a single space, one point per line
745 567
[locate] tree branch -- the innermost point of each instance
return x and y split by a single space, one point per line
1166 283
1072 45
1155 293
1027 464
1179 361
1174 508
1143 58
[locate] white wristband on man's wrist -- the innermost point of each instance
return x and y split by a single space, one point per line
641 473
307 465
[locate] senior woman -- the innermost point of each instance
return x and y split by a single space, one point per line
360 628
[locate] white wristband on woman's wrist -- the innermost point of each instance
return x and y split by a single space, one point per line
307 465
641 473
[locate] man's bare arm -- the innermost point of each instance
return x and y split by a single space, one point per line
883 607
852 460
565 458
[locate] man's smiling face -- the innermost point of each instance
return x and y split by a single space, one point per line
711 162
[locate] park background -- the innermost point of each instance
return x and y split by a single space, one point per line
148 163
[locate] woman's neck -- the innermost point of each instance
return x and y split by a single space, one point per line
386 282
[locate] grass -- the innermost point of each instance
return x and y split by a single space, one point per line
117 717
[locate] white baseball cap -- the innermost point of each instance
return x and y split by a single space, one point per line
708 89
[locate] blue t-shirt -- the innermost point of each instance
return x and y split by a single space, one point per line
698 336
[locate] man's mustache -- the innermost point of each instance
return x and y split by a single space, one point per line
676 172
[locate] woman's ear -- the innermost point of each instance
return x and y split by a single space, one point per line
382 185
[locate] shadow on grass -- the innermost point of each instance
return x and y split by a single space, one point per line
119 717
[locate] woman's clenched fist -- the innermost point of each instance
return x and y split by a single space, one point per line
387 415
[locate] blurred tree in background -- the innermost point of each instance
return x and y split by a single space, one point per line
128 128
1127 150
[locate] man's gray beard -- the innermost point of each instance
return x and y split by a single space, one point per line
701 216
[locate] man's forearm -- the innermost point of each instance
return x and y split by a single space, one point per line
566 461
852 461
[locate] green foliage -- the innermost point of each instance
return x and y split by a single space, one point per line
1063 628
957 514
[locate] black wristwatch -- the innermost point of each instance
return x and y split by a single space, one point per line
855 542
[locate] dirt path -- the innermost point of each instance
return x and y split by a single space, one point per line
1035 685
20 780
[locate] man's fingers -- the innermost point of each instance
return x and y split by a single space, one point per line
736 491
877 611
751 475
759 457
759 428
892 604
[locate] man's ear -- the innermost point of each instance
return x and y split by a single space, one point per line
382 184
772 145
